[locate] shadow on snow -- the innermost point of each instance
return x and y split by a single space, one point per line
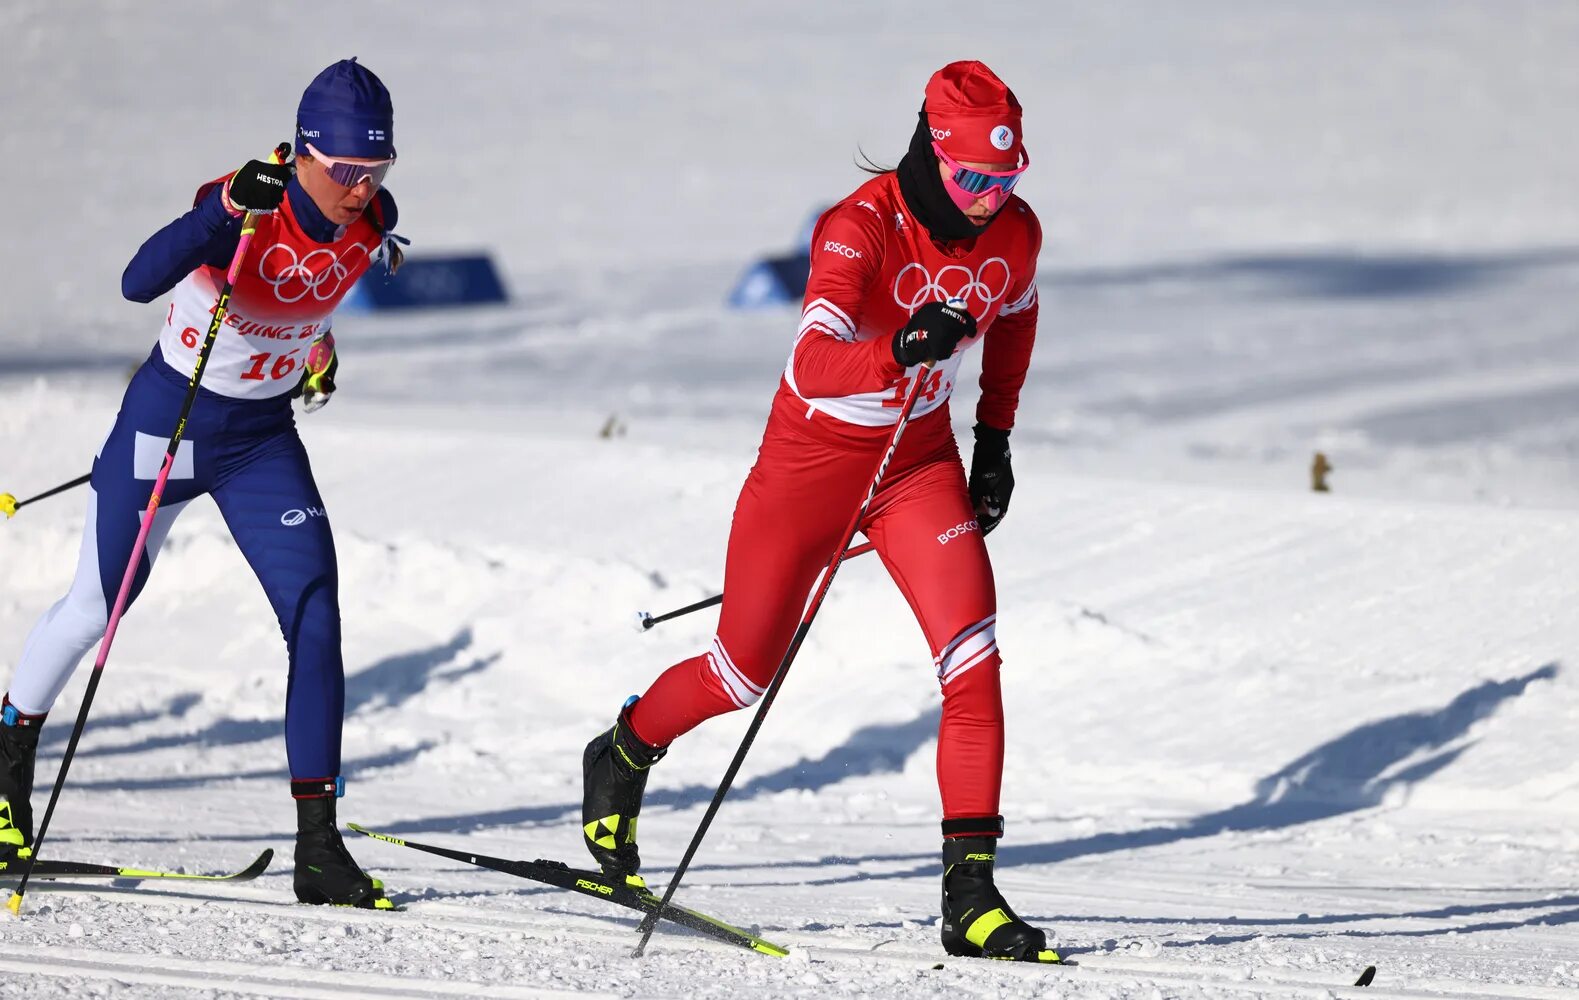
386 684
1355 771
1352 772
877 749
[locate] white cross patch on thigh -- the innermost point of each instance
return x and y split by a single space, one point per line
148 458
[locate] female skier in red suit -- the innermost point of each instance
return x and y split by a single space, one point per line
918 265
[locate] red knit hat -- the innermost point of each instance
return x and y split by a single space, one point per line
974 115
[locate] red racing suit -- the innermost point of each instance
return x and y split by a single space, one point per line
284 297
872 266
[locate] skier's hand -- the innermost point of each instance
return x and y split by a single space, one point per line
991 477
257 187
932 334
317 383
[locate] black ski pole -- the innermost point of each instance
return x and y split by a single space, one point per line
651 920
646 620
249 226
9 504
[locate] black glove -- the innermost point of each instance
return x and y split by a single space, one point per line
932 334
991 478
257 187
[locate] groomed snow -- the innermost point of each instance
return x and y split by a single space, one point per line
1259 738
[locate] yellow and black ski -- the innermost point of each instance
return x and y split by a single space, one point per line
632 893
50 868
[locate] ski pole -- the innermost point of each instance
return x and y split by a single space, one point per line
645 619
249 226
651 920
9 504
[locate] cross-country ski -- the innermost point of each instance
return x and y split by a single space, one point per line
53 868
630 891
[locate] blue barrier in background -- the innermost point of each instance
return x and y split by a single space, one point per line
780 280
430 282
772 281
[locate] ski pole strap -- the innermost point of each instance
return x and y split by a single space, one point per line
973 826
318 788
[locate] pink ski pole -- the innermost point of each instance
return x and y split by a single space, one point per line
249 226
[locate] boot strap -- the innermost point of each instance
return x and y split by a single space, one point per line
14 717
318 788
637 752
973 826
982 927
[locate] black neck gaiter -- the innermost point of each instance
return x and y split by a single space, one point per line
922 187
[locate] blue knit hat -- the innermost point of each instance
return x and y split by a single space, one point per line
346 111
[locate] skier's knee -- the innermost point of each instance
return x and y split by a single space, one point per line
742 690
312 616
79 616
975 647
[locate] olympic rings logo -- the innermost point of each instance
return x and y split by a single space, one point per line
987 284
321 273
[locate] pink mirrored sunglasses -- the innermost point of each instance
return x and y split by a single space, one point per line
967 186
350 173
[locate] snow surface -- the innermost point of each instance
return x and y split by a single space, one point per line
1259 738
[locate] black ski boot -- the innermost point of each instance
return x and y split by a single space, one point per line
325 871
977 923
18 747
613 778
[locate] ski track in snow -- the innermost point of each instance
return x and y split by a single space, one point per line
1259 739
469 944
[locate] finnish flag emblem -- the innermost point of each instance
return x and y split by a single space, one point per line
375 134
